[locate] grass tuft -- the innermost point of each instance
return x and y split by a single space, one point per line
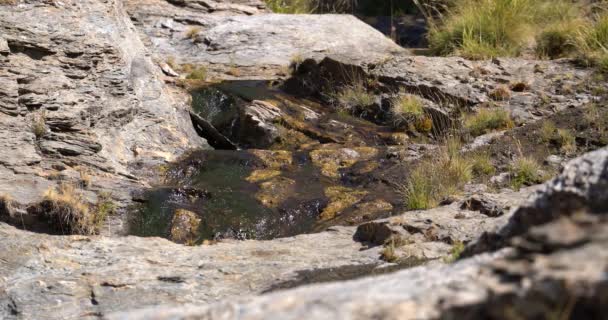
483 29
457 249
199 73
67 212
355 95
436 178
566 141
487 120
39 125
525 171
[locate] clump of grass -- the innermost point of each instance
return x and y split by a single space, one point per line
482 164
199 73
438 177
355 95
408 106
547 131
592 42
566 141
39 125
388 253
487 120
104 207
525 171
457 249
481 29
85 177
6 205
408 109
66 211
192 33
289 6
500 93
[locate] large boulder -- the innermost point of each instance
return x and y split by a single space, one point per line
239 41
77 90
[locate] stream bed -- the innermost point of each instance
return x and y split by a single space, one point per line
281 166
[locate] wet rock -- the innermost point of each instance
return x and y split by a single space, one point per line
257 124
559 256
331 160
340 198
184 226
274 191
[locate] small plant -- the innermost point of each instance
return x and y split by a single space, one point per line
566 141
420 190
171 62
437 177
66 211
39 125
424 124
482 164
525 171
487 120
408 109
500 93
6 205
457 249
105 206
547 131
388 253
85 177
295 61
192 33
355 95
199 73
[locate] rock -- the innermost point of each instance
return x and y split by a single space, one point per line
168 70
559 254
4 49
581 186
98 275
257 124
438 79
184 226
554 161
88 75
257 44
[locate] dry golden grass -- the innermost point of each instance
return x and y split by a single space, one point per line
66 211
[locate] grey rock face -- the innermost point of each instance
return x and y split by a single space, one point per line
242 36
85 73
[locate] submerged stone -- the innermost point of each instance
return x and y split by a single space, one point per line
184 226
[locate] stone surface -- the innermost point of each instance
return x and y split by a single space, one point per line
80 66
184 226
70 276
243 37
557 268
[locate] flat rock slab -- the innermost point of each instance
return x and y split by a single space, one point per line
257 45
